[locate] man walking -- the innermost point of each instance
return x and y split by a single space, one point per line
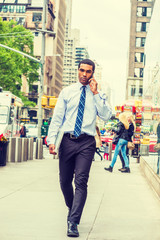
75 113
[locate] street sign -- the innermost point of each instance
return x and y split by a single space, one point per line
15 2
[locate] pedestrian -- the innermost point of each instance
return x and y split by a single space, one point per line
22 131
98 142
106 150
122 132
75 113
131 130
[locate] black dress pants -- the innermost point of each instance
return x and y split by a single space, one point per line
75 159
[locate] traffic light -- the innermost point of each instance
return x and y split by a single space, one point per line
44 101
52 102
48 101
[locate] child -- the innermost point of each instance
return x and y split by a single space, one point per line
106 150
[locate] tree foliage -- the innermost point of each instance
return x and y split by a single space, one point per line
14 65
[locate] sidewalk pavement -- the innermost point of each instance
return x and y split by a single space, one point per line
120 206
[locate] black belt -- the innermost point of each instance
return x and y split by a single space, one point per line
71 136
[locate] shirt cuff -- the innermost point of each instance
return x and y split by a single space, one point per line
51 140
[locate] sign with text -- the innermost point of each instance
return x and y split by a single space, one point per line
15 2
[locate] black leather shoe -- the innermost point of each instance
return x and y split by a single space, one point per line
126 170
110 169
121 169
72 230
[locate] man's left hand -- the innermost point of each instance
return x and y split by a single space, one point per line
93 85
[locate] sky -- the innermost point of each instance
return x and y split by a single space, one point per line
104 27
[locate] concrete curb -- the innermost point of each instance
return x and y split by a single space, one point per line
151 176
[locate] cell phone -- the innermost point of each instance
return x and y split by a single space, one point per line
90 77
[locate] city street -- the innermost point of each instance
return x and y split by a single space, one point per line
120 206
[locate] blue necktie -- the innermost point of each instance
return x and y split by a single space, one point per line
79 119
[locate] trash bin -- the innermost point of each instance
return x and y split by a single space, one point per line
3 153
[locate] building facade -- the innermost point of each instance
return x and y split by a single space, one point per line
58 51
30 16
141 12
152 63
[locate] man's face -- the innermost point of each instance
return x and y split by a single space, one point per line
85 73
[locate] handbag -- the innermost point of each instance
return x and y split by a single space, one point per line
115 139
131 145
157 147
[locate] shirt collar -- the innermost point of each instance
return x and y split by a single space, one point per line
80 85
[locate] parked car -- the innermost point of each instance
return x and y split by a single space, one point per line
32 131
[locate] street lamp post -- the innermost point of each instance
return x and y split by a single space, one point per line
40 117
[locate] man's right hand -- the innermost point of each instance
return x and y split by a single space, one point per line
52 149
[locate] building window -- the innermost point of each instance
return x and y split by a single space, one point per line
37 17
139 57
20 9
138 72
143 40
141 11
20 21
136 91
11 9
140 42
144 11
142 26
144 0
5 9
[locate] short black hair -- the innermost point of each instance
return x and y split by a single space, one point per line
87 61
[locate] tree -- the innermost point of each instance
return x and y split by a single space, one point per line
14 65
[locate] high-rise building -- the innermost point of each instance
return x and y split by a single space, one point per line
81 53
60 22
141 12
69 69
74 52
